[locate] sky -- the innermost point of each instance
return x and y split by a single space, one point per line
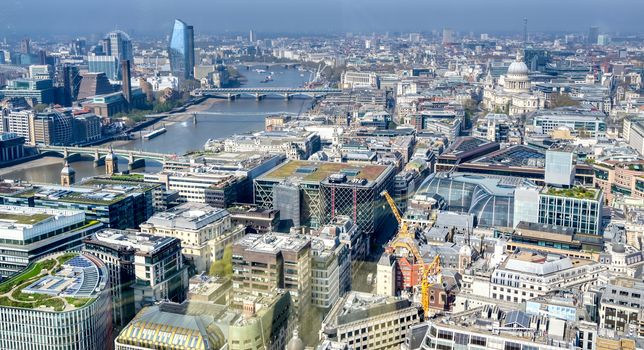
154 17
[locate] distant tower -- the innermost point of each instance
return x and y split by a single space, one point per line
111 163
126 83
251 36
67 175
525 30
25 46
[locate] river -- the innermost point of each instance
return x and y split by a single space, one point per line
219 119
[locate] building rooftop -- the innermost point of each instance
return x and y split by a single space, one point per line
61 282
315 172
356 306
188 216
272 242
142 242
578 192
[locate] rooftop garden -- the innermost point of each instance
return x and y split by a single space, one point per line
324 170
24 219
11 290
574 192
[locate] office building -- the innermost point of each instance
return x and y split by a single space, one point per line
448 36
11 147
560 166
86 128
320 191
358 80
527 274
367 321
262 264
293 144
204 231
41 72
622 306
72 311
40 91
30 233
619 178
581 123
593 35
256 220
181 50
18 122
116 204
119 45
498 327
219 180
330 270
578 207
349 234
52 127
147 268
105 64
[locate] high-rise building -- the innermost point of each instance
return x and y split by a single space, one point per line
79 47
119 45
251 36
593 33
577 207
448 36
40 91
525 30
73 310
182 50
105 64
25 46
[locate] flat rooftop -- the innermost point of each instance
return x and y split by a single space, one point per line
310 171
188 216
133 240
272 242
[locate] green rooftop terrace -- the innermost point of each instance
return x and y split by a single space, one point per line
318 171
24 219
11 290
574 192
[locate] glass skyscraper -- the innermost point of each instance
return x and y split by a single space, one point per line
182 50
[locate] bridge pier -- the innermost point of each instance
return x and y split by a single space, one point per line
133 163
259 97
287 96
231 97
98 161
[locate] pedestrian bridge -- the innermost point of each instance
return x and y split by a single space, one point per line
260 93
135 158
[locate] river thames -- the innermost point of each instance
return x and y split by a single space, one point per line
220 119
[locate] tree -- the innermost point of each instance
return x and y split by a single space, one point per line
224 266
562 100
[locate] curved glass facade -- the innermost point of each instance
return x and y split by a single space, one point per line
182 50
491 202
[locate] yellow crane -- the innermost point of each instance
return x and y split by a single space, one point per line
431 273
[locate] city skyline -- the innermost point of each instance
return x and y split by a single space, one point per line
318 17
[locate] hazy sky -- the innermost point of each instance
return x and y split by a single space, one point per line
154 17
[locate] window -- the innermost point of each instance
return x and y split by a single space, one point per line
461 339
480 341
512 346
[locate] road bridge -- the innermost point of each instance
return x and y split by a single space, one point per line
135 159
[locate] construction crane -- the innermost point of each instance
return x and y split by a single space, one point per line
402 225
431 273
431 276
404 239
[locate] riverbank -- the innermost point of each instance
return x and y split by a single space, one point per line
170 120
36 163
